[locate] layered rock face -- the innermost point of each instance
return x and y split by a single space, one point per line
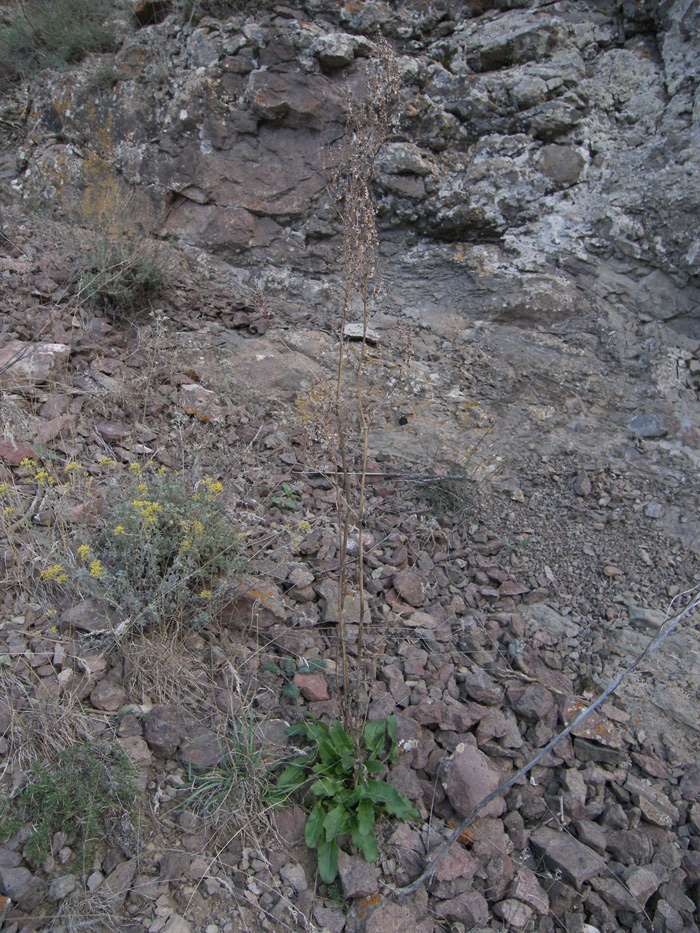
543 175
546 143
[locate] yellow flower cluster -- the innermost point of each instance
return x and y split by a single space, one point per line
148 510
120 530
96 570
28 463
3 488
214 488
134 468
55 572
206 594
83 551
106 461
74 467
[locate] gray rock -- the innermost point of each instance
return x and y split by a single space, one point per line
514 913
164 731
577 862
117 885
61 887
648 425
481 688
20 885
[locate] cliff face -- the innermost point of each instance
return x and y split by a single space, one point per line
543 175
544 144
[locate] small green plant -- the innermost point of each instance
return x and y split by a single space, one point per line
36 34
287 668
237 782
84 794
122 276
347 798
290 498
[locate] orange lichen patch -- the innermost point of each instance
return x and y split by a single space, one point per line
466 838
365 903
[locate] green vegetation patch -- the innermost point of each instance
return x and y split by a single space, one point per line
36 34
84 794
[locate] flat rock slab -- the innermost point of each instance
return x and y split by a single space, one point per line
576 861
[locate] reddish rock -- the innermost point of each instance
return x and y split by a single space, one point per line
201 749
313 687
411 586
108 696
534 704
357 877
561 851
470 778
14 454
469 908
164 731
457 863
398 918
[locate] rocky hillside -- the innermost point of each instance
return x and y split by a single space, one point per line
171 273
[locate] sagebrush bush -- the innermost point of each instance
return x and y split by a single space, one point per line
38 34
156 552
121 276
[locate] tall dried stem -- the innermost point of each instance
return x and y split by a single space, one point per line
367 128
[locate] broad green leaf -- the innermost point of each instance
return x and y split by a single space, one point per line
341 740
336 822
393 801
374 735
326 787
327 751
365 816
391 728
301 728
314 825
347 763
291 778
366 843
374 767
328 861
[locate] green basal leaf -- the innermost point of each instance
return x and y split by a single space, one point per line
374 767
341 740
336 822
365 816
327 751
328 861
366 843
326 787
392 800
314 825
374 735
391 728
301 728
347 764
291 778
